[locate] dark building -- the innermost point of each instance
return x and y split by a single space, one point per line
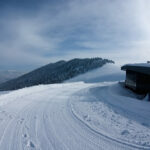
138 77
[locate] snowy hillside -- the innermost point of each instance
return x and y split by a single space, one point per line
108 72
75 116
9 74
55 73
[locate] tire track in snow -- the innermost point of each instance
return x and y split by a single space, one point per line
50 125
79 119
70 125
16 129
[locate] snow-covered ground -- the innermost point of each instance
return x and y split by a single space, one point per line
3 92
108 72
74 116
107 110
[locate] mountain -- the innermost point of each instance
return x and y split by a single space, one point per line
54 73
9 74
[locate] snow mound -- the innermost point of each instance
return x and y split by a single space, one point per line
108 110
108 72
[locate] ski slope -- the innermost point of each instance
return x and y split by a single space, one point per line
107 109
41 118
73 116
108 72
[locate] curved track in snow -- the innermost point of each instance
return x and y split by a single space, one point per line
38 118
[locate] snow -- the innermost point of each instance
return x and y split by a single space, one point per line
108 72
3 92
90 112
107 110
140 65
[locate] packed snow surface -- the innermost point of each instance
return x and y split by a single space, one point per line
107 110
74 116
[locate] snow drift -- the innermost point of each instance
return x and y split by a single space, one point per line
108 110
108 72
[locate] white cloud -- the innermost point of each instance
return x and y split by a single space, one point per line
118 30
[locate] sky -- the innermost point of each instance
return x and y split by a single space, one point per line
37 32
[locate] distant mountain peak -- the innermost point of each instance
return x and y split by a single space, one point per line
55 72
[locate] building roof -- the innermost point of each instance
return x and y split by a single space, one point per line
141 68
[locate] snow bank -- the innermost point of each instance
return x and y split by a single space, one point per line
3 92
109 111
109 72
10 96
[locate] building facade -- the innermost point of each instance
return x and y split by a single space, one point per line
137 77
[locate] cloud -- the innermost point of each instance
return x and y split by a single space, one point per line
119 30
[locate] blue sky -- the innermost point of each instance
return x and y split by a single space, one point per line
35 32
